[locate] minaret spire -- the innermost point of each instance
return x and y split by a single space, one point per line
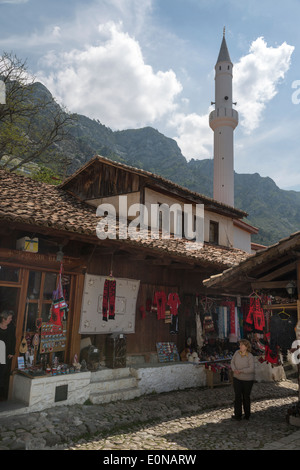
223 120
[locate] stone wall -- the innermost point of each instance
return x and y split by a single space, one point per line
42 392
166 377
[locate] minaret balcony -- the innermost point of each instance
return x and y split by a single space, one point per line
223 117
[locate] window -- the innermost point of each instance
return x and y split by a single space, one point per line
41 287
214 232
8 274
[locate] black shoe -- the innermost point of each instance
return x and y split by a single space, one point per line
236 418
247 418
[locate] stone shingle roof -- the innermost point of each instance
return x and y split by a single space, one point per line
24 200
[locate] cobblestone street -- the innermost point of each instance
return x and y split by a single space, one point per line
206 430
194 419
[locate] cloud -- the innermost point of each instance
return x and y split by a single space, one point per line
256 78
194 135
111 81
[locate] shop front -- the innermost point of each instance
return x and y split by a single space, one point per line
61 280
69 350
28 283
270 281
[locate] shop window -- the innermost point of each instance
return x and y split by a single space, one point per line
214 232
8 274
40 294
9 299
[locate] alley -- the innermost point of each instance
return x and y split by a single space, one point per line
194 419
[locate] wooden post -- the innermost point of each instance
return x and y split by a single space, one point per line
74 322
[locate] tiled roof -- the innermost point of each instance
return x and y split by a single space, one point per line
27 201
152 177
288 245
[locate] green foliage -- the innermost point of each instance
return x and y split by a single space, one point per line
46 175
274 211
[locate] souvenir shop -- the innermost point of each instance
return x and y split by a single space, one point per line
221 321
269 310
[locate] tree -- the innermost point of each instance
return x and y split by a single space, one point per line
31 121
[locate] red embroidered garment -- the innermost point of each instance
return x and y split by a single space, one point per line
231 306
256 315
173 302
160 299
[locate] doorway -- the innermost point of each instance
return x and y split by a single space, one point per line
9 301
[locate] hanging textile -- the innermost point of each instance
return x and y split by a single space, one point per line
230 304
109 299
208 323
199 332
222 322
173 302
282 331
160 300
59 306
255 315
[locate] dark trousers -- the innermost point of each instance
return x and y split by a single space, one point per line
242 391
4 379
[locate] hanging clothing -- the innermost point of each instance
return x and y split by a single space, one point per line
233 331
174 325
109 299
173 302
255 315
222 322
199 336
282 332
160 299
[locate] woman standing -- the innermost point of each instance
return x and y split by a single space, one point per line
8 346
242 365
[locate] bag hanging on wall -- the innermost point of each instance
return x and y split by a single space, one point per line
59 306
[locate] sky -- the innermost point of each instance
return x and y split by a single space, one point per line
136 63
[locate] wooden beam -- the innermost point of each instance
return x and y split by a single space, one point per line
269 284
279 272
291 306
262 268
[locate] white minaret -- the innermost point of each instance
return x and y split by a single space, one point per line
223 120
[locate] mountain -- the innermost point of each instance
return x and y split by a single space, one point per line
274 211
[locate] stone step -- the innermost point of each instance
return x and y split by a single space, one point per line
116 395
291 372
110 374
110 385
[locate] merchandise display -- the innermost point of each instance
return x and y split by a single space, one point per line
220 323
41 351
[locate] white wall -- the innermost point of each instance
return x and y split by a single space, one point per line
242 239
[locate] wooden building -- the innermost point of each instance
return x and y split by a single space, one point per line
40 224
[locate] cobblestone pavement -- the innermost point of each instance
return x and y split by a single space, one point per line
194 419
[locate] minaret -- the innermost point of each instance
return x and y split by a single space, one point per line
223 120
